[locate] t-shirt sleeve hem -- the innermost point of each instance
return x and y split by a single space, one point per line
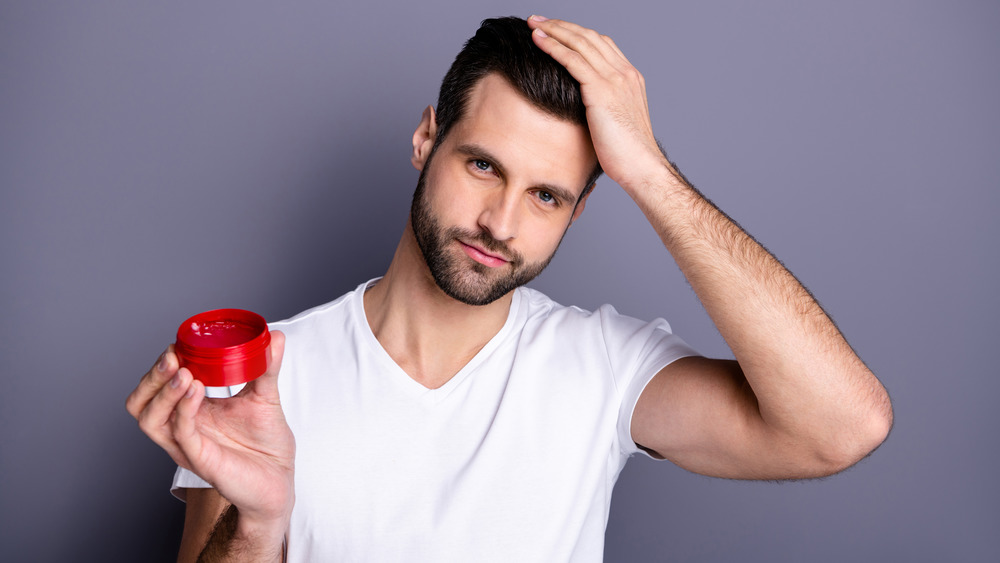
631 399
184 479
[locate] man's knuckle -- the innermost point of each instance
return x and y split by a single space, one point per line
146 423
576 57
130 406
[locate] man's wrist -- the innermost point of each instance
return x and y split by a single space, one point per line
655 181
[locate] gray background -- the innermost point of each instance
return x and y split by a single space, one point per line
156 161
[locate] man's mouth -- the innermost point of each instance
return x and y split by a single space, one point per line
483 256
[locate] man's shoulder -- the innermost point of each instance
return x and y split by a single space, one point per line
543 309
540 306
341 307
604 320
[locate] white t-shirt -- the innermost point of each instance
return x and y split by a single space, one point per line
513 459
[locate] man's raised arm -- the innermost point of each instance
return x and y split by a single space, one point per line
797 402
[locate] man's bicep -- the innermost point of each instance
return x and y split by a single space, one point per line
702 415
204 507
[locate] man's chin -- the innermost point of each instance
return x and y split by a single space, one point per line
474 294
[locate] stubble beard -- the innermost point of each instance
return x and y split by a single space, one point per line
460 277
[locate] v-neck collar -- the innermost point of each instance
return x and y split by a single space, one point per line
399 375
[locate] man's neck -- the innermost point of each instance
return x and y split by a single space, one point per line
430 335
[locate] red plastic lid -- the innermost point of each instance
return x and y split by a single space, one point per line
224 347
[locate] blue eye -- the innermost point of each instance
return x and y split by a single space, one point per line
482 165
545 196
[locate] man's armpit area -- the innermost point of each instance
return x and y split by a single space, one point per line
204 507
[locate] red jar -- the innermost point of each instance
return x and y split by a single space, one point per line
224 347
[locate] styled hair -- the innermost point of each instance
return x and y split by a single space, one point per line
504 46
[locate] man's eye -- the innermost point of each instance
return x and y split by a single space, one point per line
545 196
482 165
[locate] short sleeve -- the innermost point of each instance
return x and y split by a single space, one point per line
637 351
184 479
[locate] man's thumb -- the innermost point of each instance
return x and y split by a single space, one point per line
267 384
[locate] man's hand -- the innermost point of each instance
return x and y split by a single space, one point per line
241 445
614 93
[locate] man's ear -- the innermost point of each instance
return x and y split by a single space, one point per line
423 138
581 204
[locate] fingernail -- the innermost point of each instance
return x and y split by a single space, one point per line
190 391
162 366
538 18
175 381
540 33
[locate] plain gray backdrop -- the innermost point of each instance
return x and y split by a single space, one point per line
160 159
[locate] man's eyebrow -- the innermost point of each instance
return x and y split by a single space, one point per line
476 151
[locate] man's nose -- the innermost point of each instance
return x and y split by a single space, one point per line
500 215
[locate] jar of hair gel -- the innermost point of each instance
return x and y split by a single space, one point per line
224 349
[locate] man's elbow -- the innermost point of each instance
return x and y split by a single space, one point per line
857 441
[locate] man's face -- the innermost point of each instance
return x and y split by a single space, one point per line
497 195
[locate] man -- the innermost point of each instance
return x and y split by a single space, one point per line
444 413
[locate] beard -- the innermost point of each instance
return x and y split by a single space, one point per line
458 276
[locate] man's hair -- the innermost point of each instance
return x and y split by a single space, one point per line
504 46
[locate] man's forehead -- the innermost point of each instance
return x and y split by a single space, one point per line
501 120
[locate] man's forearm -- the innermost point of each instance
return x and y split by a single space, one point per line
233 540
806 378
812 396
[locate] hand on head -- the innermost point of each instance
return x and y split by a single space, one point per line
614 93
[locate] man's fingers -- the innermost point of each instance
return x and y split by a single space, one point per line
575 63
154 419
162 371
585 64
571 34
185 430
592 48
611 43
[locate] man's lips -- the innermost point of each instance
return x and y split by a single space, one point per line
481 256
